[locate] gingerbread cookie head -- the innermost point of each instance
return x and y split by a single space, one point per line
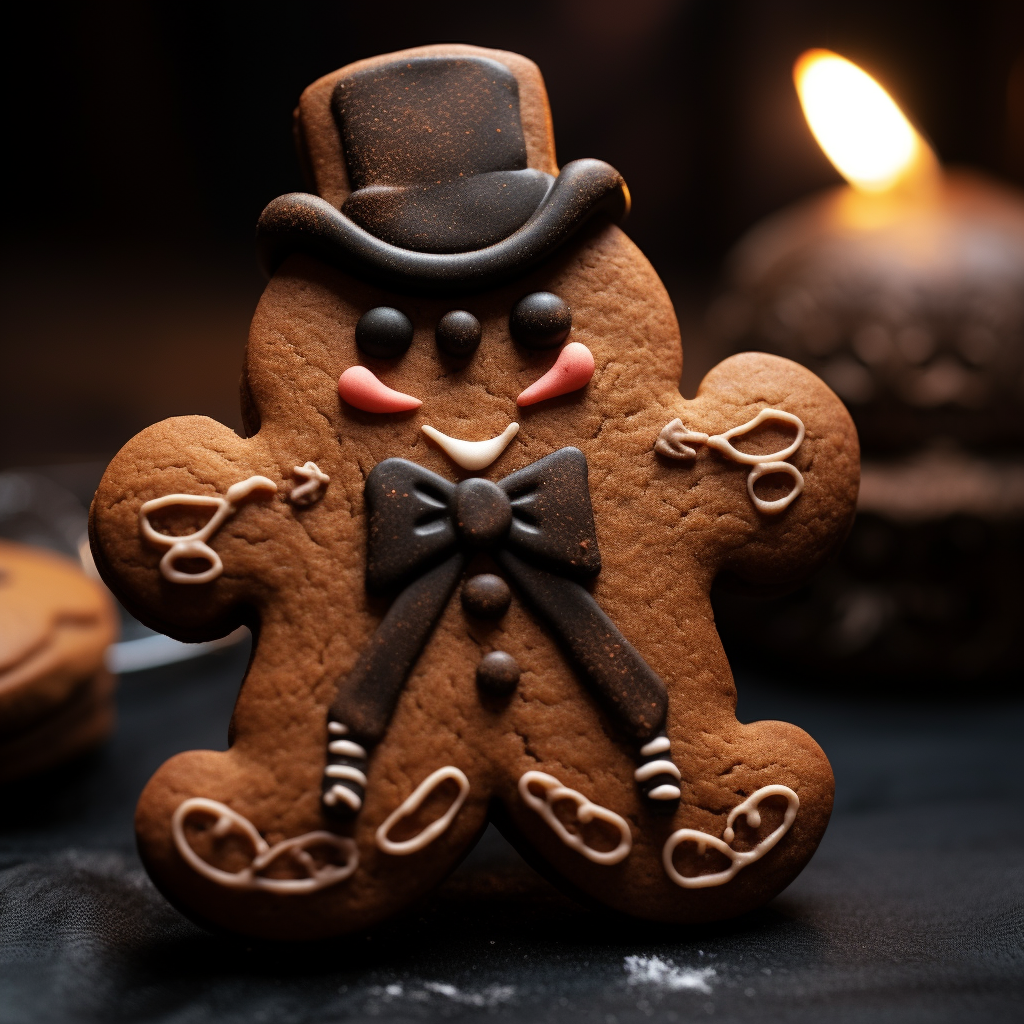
476 525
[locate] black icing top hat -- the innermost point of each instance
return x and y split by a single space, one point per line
441 177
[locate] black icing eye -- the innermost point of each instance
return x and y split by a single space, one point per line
458 333
384 333
540 320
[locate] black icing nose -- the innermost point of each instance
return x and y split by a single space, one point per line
483 513
458 333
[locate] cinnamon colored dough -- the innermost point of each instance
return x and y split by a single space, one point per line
609 555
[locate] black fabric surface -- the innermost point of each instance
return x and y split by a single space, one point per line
912 910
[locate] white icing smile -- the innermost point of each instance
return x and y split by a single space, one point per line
472 454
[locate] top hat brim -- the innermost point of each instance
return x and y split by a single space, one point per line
300 222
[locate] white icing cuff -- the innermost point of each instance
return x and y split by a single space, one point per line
766 469
346 748
659 745
193 545
748 809
345 795
652 768
723 442
344 771
665 792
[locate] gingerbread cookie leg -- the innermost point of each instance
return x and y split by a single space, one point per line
611 667
366 700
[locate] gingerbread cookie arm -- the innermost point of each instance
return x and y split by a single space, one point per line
775 446
179 522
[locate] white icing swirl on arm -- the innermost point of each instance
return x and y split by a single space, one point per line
316 480
723 442
673 437
766 469
194 545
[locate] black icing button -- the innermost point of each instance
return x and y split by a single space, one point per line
540 320
458 333
486 596
497 674
384 332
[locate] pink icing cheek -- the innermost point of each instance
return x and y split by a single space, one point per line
361 389
572 370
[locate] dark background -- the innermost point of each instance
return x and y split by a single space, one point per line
145 138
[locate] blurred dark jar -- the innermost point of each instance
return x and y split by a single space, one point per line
914 314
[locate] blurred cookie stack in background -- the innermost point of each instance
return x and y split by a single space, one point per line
56 694
905 292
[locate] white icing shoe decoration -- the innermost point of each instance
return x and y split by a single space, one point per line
412 804
249 878
193 545
586 811
740 859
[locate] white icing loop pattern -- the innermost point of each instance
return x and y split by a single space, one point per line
766 469
413 802
315 481
194 545
673 439
249 878
723 442
586 811
739 859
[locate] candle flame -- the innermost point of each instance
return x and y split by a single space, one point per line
862 131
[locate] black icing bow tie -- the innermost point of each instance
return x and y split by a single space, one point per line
539 526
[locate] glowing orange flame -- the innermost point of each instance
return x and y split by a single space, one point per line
862 131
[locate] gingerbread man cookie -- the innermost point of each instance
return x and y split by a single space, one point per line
474 527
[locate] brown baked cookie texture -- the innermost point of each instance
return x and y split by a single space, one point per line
474 528
56 696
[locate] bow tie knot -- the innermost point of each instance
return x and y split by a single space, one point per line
483 513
